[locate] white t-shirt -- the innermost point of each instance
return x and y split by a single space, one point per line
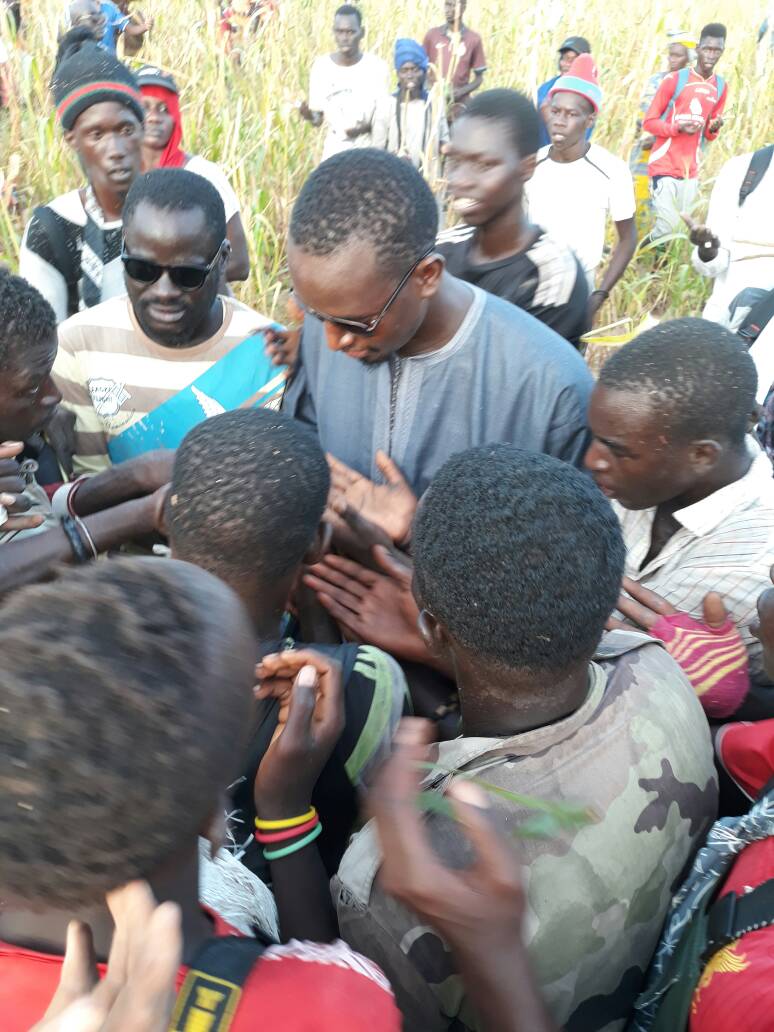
346 95
571 200
214 174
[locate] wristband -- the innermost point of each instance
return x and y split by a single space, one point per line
287 822
86 535
278 854
266 839
78 545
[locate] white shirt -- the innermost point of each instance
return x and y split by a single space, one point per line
346 95
746 234
725 544
571 200
214 174
762 353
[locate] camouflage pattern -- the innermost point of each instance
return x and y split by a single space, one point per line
638 753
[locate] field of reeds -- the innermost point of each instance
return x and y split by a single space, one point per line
244 116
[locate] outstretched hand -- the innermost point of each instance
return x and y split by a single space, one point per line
481 906
703 238
375 606
310 722
643 608
391 505
12 496
138 992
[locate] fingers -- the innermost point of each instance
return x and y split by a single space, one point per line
348 619
290 663
346 601
389 470
617 625
636 613
10 449
341 473
302 704
16 523
392 803
151 992
346 573
715 614
396 566
496 860
648 598
79 969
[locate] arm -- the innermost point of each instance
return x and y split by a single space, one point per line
136 478
715 122
311 110
311 720
464 91
479 910
620 258
30 559
238 267
36 265
653 122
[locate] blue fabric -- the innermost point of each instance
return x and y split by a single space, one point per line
115 23
542 95
245 376
410 50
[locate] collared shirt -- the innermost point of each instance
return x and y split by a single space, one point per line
725 543
637 753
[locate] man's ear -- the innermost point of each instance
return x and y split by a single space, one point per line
527 167
321 544
704 456
69 138
433 634
429 275
225 254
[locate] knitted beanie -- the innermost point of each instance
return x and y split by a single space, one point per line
90 75
581 79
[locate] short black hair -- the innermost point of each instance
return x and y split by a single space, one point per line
267 485
696 374
27 321
176 189
350 11
114 744
516 111
713 31
369 195
519 557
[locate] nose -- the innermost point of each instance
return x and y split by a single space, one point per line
338 339
164 289
596 458
50 395
459 179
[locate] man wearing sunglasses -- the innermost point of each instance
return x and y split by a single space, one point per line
398 356
140 370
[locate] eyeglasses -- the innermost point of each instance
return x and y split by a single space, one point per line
368 329
186 277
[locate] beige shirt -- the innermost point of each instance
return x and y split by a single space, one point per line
111 374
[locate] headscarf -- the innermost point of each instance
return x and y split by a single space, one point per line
173 155
684 39
410 50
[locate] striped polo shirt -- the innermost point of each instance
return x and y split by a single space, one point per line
111 374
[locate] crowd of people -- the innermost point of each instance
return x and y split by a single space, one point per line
302 627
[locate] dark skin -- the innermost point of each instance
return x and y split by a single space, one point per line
486 177
763 630
708 53
411 78
455 11
107 138
170 316
177 880
159 125
569 117
635 458
348 33
351 284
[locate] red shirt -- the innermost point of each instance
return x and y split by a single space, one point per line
299 987
674 153
439 48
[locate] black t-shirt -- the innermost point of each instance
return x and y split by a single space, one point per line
546 280
375 698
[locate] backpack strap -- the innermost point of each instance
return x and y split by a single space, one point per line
756 170
680 84
759 316
209 996
733 916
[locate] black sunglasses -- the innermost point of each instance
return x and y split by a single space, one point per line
186 277
368 329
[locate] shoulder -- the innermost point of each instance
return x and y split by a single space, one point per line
456 238
110 315
542 154
349 991
64 215
207 170
243 320
608 164
557 268
472 37
375 62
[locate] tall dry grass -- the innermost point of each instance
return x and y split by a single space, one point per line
244 117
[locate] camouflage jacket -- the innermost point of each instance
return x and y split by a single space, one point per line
637 753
